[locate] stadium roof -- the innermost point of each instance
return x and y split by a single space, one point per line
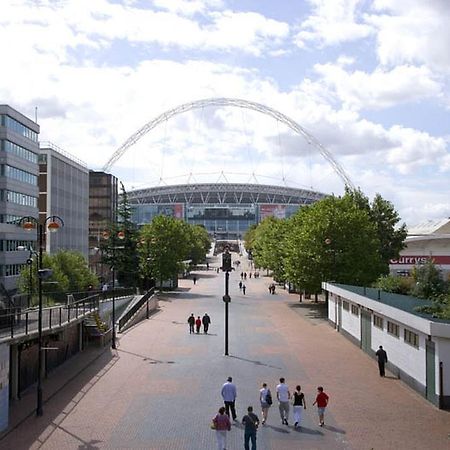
224 193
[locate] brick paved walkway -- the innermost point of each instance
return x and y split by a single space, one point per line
162 386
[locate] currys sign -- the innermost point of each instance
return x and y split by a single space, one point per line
417 260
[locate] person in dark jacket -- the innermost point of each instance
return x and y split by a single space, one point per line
206 320
191 322
250 422
382 359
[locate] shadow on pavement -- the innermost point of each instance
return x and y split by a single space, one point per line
258 363
146 358
334 429
305 430
58 405
279 429
311 310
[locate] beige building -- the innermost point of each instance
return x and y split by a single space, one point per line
427 240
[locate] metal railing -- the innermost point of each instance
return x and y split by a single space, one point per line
18 323
135 308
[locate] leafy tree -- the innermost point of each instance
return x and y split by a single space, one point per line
268 249
164 246
70 274
396 285
249 238
332 239
429 283
200 243
383 214
440 307
119 246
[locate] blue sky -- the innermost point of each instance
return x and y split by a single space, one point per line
368 79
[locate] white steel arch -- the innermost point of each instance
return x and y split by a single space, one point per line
237 103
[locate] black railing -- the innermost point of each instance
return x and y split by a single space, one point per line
135 308
24 323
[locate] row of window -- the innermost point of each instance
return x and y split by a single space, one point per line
18 174
11 270
393 329
9 218
13 244
17 150
17 127
18 198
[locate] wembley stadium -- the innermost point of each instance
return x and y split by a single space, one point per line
226 210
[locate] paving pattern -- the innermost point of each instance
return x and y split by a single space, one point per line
162 387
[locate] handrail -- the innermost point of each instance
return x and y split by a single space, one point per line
135 308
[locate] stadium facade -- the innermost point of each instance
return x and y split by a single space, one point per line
226 210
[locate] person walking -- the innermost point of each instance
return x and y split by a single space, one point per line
229 394
240 285
382 359
198 324
298 404
244 288
283 396
250 422
265 397
206 320
322 402
194 279
191 322
221 423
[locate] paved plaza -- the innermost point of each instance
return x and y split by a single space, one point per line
161 388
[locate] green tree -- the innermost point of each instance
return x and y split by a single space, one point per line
199 242
386 218
119 246
70 274
394 284
332 239
164 247
429 283
268 246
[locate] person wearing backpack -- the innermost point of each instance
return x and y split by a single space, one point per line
265 397
250 422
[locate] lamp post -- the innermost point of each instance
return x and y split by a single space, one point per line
120 235
226 267
52 224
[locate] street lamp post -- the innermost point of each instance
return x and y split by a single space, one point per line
120 235
52 224
226 267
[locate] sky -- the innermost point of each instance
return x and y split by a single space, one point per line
367 80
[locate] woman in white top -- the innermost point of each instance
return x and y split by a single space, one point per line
265 397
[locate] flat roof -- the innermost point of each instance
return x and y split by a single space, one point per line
406 303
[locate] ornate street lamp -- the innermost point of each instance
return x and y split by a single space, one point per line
120 235
52 224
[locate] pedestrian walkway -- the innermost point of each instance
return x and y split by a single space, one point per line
162 387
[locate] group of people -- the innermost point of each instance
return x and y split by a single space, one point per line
244 275
272 288
242 287
195 324
221 423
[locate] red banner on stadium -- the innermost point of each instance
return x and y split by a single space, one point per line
417 259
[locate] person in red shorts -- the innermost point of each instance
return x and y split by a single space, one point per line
322 403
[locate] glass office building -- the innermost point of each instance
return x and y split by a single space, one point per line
19 192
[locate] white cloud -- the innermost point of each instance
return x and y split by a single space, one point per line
412 31
332 23
381 88
188 7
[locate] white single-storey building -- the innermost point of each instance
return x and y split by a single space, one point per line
418 345
429 240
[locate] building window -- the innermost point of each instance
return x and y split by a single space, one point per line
18 198
393 328
11 270
411 338
17 150
378 321
346 305
18 174
355 310
18 128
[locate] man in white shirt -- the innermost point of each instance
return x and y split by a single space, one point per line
229 394
283 396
